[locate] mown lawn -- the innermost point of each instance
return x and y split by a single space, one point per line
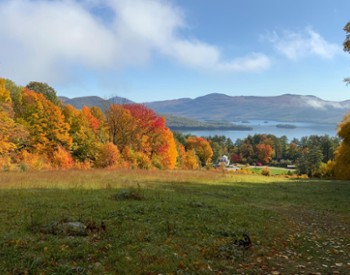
177 222
274 171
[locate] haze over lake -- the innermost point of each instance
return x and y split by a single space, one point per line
269 127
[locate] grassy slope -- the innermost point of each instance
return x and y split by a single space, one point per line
187 222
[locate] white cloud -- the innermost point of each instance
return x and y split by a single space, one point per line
46 40
317 103
296 45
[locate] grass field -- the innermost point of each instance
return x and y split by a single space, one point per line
274 170
172 222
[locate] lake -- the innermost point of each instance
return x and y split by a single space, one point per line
269 127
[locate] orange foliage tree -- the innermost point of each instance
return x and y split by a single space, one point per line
202 149
108 156
62 159
102 131
264 153
93 121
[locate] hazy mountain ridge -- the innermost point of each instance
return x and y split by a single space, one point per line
79 102
287 107
221 107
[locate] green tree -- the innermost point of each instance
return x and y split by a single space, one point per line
310 161
44 89
85 143
15 92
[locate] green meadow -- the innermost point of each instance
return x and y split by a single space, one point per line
172 222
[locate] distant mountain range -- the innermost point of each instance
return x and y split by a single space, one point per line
79 102
221 107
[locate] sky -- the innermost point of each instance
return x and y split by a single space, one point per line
150 50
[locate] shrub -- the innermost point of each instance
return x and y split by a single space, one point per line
5 164
191 160
62 159
130 194
108 156
244 171
143 161
33 161
327 169
265 172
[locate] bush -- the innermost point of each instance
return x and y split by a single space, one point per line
143 161
62 159
130 194
244 171
108 156
5 164
265 172
33 161
327 169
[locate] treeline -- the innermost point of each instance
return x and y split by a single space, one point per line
310 155
176 123
38 132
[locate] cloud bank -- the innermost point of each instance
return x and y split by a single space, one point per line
296 45
47 40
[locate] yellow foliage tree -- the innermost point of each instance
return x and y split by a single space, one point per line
108 156
11 134
45 123
342 157
201 147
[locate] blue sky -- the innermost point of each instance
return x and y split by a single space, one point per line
148 50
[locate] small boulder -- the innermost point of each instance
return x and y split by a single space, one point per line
73 228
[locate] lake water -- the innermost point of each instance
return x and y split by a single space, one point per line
269 127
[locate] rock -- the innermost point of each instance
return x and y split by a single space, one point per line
74 228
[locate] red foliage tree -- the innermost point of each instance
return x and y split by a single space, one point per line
264 153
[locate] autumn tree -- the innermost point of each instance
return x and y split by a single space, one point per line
108 155
84 140
191 160
12 135
342 159
102 130
121 126
151 137
264 153
62 159
202 149
45 123
141 136
246 152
